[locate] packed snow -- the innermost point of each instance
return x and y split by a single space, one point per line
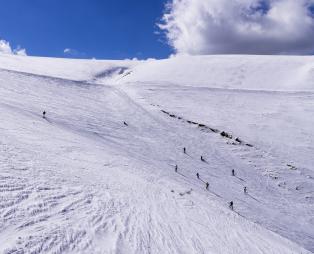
98 173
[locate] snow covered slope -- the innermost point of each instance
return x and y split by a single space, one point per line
81 181
267 100
74 69
271 73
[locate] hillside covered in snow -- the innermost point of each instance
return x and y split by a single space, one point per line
105 170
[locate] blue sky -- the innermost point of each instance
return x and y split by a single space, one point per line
107 29
120 29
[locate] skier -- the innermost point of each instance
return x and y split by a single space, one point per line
176 168
198 175
207 185
202 159
231 205
245 190
125 124
184 150
44 114
233 172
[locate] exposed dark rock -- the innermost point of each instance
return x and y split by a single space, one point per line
226 135
239 140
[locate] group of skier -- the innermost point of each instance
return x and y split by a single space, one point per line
176 167
245 190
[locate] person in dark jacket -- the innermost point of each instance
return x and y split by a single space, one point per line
207 185
233 172
198 175
231 205
44 114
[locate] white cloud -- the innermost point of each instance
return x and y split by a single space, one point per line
6 49
67 51
240 26
74 53
20 51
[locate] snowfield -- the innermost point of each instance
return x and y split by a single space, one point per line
97 175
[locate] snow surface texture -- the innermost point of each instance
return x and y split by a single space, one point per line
81 181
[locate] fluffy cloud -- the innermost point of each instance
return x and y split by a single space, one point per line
6 49
68 51
73 53
240 26
20 51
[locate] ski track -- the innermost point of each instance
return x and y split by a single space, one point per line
85 183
